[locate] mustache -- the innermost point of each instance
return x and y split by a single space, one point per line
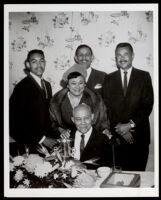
123 60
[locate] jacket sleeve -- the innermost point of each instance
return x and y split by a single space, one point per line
21 125
147 100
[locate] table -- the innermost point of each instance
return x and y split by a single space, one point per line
147 179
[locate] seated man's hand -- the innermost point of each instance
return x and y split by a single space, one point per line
128 137
114 141
107 133
49 142
65 133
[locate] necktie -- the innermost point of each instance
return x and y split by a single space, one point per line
82 143
44 88
125 83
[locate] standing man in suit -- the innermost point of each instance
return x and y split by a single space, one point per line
128 95
84 56
29 106
88 143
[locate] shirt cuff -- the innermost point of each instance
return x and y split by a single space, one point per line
41 141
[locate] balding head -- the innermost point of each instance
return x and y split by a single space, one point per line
82 117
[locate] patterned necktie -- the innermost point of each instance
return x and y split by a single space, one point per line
44 88
125 83
82 143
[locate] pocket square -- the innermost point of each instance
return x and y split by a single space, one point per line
98 86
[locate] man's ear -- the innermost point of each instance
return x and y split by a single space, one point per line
27 65
76 59
72 118
133 55
92 116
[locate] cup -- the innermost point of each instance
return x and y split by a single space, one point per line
103 171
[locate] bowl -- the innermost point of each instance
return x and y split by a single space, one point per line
103 171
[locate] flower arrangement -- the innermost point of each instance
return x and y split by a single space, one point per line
51 171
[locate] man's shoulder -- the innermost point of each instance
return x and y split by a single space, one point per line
141 72
99 72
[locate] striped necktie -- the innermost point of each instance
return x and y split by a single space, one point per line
125 83
44 88
82 143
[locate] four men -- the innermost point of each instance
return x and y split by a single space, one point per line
128 96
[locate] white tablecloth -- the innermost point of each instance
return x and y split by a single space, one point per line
147 179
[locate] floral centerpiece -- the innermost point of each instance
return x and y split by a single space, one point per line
57 169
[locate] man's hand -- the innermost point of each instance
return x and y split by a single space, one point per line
107 133
49 142
121 129
65 133
128 137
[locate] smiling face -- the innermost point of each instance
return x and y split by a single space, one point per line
76 85
82 117
36 64
124 58
84 57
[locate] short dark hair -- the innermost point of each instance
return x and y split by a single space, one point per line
34 51
74 75
83 46
120 45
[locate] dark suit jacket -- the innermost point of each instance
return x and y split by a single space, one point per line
97 147
29 111
96 77
136 105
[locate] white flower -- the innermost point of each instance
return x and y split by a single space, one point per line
56 176
32 161
74 172
26 182
21 186
18 160
18 176
64 176
12 167
69 164
43 170
84 180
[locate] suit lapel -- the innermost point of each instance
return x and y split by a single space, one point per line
90 81
131 81
118 80
90 143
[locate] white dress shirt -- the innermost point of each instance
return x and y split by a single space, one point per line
128 75
38 80
78 140
88 73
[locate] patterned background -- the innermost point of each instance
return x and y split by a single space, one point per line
59 33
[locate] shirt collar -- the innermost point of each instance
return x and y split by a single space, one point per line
88 73
86 134
128 70
36 78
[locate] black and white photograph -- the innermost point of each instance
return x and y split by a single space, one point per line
81 100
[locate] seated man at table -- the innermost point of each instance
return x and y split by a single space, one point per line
88 143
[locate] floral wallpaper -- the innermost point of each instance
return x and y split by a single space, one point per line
59 33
